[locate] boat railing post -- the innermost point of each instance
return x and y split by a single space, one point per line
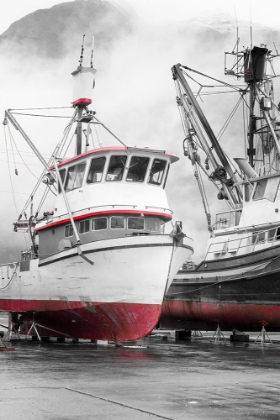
239 245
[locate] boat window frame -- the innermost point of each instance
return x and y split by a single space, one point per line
134 176
259 191
256 237
155 218
118 176
138 219
162 173
102 173
70 228
99 218
84 162
118 228
83 222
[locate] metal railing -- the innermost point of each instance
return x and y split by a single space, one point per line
251 242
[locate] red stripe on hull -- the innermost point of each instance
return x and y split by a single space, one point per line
100 213
242 315
103 321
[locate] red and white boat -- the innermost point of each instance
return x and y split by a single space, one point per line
100 262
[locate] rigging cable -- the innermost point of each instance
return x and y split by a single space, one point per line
12 139
9 170
40 115
222 130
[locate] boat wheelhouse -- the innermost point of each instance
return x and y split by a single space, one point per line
113 192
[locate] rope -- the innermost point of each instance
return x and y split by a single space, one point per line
9 169
14 273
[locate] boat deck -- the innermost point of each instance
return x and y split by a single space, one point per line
155 378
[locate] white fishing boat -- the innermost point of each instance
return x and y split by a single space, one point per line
100 262
237 284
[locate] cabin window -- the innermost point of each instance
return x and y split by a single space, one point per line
62 173
153 224
117 222
157 172
99 223
68 231
84 226
137 223
258 237
271 234
274 235
116 168
137 168
75 176
259 189
96 170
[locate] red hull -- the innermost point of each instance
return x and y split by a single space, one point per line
246 316
103 321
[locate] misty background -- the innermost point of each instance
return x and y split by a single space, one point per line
134 93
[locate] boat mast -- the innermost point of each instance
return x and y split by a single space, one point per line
252 126
83 83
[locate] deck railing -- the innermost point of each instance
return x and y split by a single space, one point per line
249 243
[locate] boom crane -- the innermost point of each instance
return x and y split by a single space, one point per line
198 131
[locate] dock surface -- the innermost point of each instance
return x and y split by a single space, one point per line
155 379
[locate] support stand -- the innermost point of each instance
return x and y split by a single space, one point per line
4 347
33 325
197 334
264 337
218 336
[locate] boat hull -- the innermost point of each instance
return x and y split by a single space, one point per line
244 294
119 297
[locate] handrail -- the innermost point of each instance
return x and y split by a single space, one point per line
113 206
254 238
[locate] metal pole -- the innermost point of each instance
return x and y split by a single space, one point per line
79 131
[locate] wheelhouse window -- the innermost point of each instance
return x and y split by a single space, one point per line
75 176
136 223
84 226
62 174
157 171
68 231
96 170
99 223
260 189
137 168
117 222
116 168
